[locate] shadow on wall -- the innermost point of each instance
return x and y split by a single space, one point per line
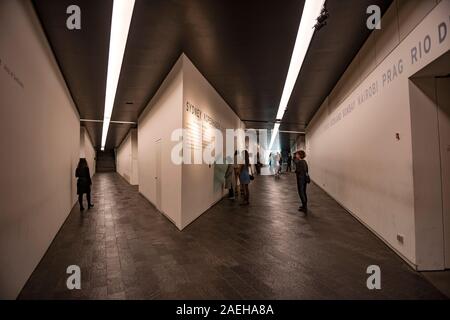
219 176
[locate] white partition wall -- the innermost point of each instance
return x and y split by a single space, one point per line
202 183
127 158
181 191
360 143
87 150
159 177
40 143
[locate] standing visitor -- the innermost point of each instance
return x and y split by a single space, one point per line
84 183
229 178
277 165
270 163
289 161
244 177
281 163
236 174
258 164
301 171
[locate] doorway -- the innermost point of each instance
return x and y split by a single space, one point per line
158 177
443 110
430 128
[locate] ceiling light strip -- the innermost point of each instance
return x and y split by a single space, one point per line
111 121
311 11
120 24
287 131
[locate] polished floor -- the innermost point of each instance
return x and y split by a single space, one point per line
268 250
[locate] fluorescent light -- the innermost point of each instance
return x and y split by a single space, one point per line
120 122
311 11
287 131
274 134
120 24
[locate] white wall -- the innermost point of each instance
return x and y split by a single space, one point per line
353 152
426 172
443 101
87 150
299 144
162 115
202 184
127 158
188 190
39 139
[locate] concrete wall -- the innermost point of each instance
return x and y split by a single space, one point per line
202 184
87 150
161 117
359 143
40 139
127 158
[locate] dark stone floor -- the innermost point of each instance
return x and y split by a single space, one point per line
269 250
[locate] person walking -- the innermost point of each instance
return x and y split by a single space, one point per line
301 171
244 177
83 183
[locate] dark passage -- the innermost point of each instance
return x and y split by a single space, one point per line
126 249
106 161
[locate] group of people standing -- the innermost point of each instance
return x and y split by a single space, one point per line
239 172
238 176
235 172
276 163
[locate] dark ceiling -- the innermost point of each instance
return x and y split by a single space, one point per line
330 52
81 54
243 48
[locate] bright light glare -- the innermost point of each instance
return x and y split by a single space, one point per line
274 135
120 24
311 11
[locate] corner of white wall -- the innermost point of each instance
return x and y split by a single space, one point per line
161 116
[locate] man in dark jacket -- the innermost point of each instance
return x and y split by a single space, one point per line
301 171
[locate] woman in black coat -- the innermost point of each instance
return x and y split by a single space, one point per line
84 183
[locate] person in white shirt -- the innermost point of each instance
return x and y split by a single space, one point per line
276 161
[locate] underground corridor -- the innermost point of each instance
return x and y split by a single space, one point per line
207 150
126 249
